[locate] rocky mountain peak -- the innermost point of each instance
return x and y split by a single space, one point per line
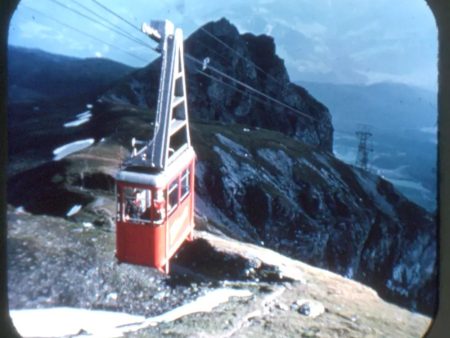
244 82
222 28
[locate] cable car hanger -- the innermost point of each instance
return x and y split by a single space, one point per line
171 132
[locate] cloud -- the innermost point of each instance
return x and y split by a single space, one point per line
33 30
327 38
268 29
419 78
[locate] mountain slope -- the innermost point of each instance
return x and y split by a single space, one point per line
37 75
45 91
260 186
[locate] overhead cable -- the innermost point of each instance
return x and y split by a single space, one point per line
84 33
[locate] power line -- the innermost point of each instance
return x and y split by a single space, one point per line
256 91
221 73
240 55
232 87
218 71
211 50
241 83
116 15
111 25
83 33
95 20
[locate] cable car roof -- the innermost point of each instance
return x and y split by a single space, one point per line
135 175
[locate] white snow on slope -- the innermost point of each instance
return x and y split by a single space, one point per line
73 210
410 184
70 148
63 321
81 119
233 146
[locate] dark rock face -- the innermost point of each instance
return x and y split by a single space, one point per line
311 206
249 59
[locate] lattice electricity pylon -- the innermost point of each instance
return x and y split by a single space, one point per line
364 148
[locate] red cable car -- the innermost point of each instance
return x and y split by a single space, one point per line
155 187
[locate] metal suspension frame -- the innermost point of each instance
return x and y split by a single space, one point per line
172 110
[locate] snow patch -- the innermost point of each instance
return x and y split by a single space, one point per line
63 321
409 184
233 146
73 210
278 158
81 118
70 148
20 210
204 303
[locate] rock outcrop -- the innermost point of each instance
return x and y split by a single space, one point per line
250 59
263 187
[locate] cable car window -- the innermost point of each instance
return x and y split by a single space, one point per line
173 196
136 204
185 188
159 207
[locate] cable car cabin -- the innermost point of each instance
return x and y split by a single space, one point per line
155 187
155 213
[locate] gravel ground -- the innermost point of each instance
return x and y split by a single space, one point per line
55 262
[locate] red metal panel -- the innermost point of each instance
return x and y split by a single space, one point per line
141 244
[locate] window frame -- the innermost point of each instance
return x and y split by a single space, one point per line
174 186
185 176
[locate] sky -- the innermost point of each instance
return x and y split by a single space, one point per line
335 41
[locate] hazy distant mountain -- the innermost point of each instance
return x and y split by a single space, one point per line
387 106
37 75
402 120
